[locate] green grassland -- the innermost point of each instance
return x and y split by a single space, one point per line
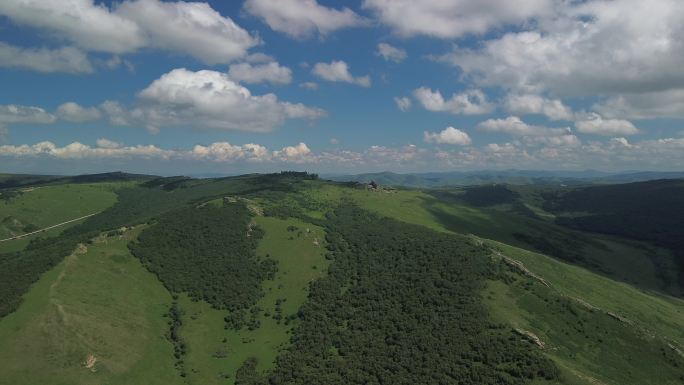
40 207
588 345
99 301
660 314
300 261
104 303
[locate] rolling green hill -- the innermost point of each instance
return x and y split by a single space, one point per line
649 211
287 279
32 208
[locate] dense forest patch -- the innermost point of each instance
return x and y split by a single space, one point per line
208 252
400 306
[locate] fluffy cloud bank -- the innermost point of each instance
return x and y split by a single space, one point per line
302 18
202 100
585 48
107 149
189 28
649 105
338 71
666 153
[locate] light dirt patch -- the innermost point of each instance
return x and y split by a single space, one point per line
90 362
531 337
519 266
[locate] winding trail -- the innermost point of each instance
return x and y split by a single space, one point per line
48 228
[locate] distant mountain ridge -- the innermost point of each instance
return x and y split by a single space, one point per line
23 180
517 177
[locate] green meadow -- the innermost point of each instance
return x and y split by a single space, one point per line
39 207
97 318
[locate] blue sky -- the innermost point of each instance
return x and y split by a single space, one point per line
340 86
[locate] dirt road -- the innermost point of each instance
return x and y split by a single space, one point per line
48 228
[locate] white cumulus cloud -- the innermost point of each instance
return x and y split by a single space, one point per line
81 22
403 103
190 28
471 102
513 125
454 18
15 114
211 100
524 104
73 112
597 125
647 105
391 53
297 154
302 18
309 85
65 59
224 151
449 135
107 143
338 71
585 48
194 29
77 150
260 73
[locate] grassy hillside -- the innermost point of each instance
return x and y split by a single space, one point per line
661 314
303 323
649 211
101 303
36 208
